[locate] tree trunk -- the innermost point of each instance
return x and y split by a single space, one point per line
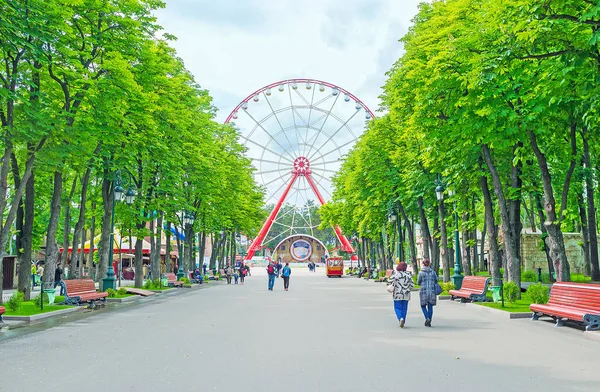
591 207
494 260
555 239
411 239
540 214
511 252
168 261
105 245
139 278
81 258
213 253
585 235
158 245
201 247
76 257
67 229
51 245
466 249
514 207
425 233
23 263
153 249
482 266
27 238
435 247
445 251
90 261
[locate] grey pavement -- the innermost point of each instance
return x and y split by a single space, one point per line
322 335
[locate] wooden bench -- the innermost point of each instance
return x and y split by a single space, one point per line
572 301
172 280
82 290
473 289
2 311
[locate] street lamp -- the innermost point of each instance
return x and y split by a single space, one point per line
457 277
187 220
109 282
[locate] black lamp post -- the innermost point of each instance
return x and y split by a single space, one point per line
109 282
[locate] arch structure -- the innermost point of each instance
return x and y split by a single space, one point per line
284 151
301 248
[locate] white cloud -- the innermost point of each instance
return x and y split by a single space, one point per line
234 47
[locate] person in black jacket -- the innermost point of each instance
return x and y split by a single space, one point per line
58 279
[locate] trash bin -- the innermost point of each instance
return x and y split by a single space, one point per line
164 282
496 294
48 290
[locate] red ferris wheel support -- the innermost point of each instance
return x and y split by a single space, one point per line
301 169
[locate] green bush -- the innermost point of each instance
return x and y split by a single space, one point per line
111 293
538 293
447 286
37 300
366 275
147 285
15 301
529 276
511 291
381 274
122 291
185 280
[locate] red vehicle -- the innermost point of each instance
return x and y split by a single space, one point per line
335 266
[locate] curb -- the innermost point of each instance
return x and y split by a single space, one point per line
164 291
496 312
43 316
444 297
125 299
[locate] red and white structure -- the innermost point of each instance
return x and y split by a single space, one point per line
296 133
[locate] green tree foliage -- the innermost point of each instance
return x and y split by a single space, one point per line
87 88
497 94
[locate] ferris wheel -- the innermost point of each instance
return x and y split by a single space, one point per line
297 132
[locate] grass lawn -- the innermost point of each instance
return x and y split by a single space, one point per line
521 305
29 309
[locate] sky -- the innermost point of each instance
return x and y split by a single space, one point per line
234 47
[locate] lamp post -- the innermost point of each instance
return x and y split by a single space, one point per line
439 193
119 194
457 276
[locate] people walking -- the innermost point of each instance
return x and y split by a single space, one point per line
33 272
285 274
427 280
228 273
272 273
58 279
402 283
243 272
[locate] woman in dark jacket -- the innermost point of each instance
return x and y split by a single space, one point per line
427 280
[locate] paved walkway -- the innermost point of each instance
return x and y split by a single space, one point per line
322 335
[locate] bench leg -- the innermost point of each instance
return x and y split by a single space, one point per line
592 322
535 316
560 322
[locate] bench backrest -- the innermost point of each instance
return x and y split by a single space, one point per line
171 277
475 283
388 273
79 286
2 310
576 295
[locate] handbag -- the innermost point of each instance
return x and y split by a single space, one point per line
438 289
390 288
